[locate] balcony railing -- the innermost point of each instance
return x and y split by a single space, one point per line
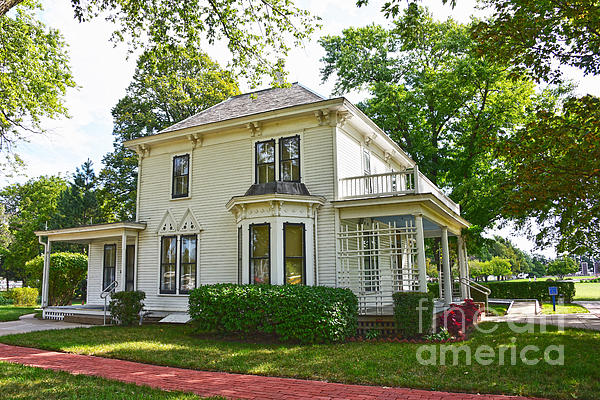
410 181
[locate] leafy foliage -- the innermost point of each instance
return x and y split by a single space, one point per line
35 75
527 290
258 33
562 266
29 206
78 204
555 175
125 307
307 314
533 35
24 296
169 85
414 313
67 270
437 98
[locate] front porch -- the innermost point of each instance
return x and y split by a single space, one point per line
382 223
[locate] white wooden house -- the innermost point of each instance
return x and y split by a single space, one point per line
279 186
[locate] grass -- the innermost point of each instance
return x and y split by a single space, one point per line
12 313
385 364
587 291
498 309
21 382
563 309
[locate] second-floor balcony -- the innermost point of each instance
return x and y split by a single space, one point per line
397 183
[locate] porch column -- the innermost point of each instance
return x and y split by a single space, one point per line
46 274
421 254
461 267
446 267
123 259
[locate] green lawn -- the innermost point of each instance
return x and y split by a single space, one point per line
387 364
587 291
563 309
12 313
20 382
498 309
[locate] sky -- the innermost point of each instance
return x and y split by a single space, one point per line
103 71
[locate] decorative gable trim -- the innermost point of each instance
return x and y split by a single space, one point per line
189 223
167 224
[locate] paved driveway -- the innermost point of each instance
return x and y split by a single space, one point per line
27 323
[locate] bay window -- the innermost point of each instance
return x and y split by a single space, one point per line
294 257
260 254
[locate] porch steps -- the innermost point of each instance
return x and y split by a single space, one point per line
87 319
176 318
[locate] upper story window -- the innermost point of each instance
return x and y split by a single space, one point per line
265 161
366 162
289 159
181 176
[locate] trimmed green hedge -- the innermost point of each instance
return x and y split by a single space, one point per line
414 313
307 314
24 296
527 290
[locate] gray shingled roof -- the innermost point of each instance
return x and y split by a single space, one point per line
250 103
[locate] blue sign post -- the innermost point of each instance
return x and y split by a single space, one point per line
553 291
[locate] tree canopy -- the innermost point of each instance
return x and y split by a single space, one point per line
437 98
34 75
169 85
258 33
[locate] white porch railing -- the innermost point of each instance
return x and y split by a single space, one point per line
410 181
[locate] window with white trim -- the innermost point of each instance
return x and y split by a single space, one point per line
181 176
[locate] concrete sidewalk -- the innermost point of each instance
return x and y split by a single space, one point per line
27 323
524 312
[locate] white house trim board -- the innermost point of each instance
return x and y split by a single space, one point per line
167 225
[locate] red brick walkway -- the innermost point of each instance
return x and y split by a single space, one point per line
217 383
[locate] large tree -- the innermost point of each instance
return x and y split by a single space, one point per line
437 98
78 205
555 175
169 85
34 76
258 33
30 206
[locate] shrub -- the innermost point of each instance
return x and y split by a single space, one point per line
24 296
413 312
528 290
458 318
5 298
67 270
125 307
307 314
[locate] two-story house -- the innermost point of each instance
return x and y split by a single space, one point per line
280 186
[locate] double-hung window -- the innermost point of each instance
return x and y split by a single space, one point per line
181 176
294 257
187 265
265 161
168 264
289 159
260 253
109 265
178 269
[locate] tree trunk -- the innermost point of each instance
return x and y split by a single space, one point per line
6 5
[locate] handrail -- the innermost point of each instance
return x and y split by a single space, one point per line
105 293
478 287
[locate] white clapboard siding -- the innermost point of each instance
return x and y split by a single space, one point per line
95 269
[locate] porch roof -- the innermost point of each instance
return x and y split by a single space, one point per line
85 233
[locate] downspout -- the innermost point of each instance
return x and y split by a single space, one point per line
316 235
